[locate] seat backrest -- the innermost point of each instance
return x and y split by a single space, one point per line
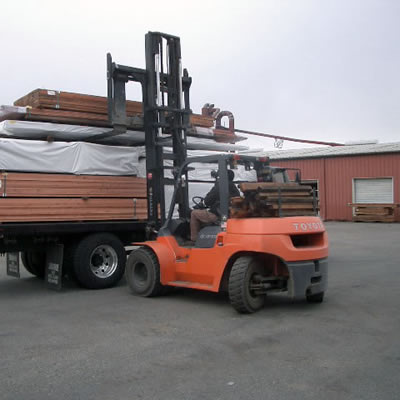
207 236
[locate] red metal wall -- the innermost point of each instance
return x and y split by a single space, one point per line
335 179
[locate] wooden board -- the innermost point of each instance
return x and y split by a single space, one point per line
62 209
288 199
274 187
373 211
67 101
374 218
62 185
78 108
390 205
68 117
292 206
284 194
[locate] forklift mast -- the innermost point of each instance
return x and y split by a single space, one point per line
166 116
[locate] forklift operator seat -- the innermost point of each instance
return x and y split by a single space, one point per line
207 236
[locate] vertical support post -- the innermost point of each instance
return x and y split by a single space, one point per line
223 183
314 201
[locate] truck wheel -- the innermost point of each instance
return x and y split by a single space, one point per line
98 261
143 273
242 298
34 262
315 298
68 261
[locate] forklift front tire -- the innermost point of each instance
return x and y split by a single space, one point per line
315 298
143 273
241 296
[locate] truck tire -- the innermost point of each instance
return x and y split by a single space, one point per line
240 295
98 261
315 298
143 273
34 262
68 261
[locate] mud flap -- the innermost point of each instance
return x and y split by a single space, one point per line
13 264
54 264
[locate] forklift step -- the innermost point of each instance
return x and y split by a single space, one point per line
189 284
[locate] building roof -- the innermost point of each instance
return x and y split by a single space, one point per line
337 151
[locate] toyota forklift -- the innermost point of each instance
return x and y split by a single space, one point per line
270 239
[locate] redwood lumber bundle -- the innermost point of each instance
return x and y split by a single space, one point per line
61 185
52 99
77 108
201 120
373 212
63 209
67 117
264 199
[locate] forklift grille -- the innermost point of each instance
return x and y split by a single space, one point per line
307 240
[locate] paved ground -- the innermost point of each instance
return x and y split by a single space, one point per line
109 344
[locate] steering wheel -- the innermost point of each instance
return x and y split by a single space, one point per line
198 202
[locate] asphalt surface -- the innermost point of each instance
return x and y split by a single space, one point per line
108 344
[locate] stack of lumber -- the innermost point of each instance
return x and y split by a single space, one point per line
54 100
32 197
373 212
271 199
81 109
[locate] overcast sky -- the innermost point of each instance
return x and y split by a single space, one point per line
313 69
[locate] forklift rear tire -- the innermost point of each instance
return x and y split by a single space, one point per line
315 298
34 262
98 261
240 279
143 273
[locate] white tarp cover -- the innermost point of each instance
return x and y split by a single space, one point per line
65 132
68 157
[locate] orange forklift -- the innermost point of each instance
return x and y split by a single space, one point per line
248 256
268 239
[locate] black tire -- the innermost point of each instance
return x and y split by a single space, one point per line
143 273
34 262
98 261
315 298
240 296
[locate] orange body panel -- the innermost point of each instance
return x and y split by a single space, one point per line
203 268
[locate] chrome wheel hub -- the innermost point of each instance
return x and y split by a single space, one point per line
103 261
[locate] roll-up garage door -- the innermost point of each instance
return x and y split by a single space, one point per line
377 190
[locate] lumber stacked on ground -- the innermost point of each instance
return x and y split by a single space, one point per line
264 199
35 197
373 212
77 108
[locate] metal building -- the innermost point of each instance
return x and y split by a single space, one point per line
368 173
